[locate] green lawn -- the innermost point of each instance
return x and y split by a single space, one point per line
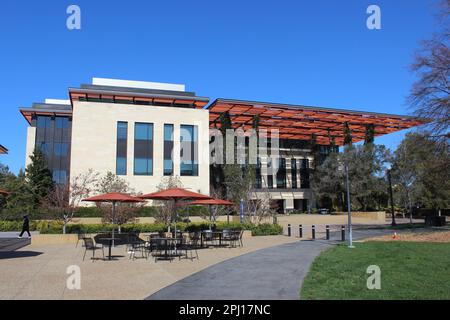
409 270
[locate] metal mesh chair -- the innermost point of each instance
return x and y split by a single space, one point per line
90 245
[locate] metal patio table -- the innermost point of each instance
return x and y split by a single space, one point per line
213 235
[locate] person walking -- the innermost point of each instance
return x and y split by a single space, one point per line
25 226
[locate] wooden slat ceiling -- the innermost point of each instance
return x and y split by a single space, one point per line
295 122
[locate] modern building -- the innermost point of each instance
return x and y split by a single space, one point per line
145 131
3 150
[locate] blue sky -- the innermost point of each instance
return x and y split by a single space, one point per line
316 53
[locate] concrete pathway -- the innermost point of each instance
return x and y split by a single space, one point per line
273 273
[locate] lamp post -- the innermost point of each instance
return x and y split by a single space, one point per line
391 195
349 210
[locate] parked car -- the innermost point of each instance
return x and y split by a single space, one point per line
323 211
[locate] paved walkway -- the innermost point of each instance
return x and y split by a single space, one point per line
273 273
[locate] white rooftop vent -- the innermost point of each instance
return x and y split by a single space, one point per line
57 101
138 84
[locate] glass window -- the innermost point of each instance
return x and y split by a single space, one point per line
61 149
281 174
258 178
304 174
61 122
143 148
44 122
294 173
189 150
59 176
269 174
121 152
168 149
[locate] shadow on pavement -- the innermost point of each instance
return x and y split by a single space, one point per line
19 254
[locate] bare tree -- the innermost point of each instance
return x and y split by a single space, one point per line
63 200
165 209
125 212
429 95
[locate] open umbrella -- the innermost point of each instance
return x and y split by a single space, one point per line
175 194
211 202
4 193
113 198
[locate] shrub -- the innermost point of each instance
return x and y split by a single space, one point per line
56 227
267 229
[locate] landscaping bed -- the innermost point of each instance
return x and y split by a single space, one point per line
56 227
438 236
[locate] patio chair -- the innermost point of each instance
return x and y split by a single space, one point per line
162 249
136 244
190 245
194 237
89 244
241 233
227 236
208 236
80 236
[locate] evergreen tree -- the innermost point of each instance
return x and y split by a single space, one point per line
38 177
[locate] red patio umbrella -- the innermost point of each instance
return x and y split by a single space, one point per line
175 194
211 202
114 198
3 192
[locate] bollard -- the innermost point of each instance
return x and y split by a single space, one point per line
343 233
300 231
327 229
313 232
289 230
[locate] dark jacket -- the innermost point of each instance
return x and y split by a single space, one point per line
26 222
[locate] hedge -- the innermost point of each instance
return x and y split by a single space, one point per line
56 227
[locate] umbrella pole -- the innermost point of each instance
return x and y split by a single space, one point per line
210 217
113 213
176 216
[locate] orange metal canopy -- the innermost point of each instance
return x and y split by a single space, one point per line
301 122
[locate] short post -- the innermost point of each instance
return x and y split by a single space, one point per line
343 233
313 232
327 229
289 230
300 231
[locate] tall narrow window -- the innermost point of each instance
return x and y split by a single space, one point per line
143 149
189 150
121 152
294 173
168 149
281 174
304 174
258 178
269 174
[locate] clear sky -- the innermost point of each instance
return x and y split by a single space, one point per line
311 52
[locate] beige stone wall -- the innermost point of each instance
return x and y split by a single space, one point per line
94 134
31 141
